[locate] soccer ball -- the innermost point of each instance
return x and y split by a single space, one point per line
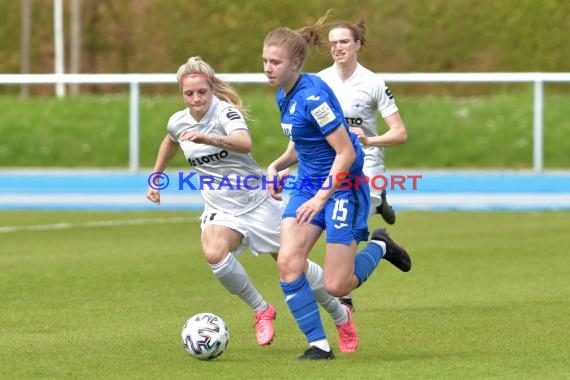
205 336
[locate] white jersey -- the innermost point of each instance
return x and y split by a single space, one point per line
220 171
361 97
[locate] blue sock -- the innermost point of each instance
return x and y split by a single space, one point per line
304 308
366 261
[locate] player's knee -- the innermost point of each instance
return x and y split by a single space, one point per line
214 256
337 288
290 267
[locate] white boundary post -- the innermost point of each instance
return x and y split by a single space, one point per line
538 143
58 43
134 127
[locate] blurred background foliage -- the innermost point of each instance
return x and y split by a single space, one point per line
150 36
450 126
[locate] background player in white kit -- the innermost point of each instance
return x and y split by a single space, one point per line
213 127
362 95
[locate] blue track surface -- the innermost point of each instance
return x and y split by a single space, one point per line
49 190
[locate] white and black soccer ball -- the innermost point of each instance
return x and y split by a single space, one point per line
205 336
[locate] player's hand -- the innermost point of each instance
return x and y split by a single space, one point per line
357 131
363 140
153 195
360 134
198 138
283 173
275 191
308 210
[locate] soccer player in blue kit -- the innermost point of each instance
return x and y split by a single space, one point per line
325 151
213 124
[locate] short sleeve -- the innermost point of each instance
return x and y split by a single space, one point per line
385 99
232 120
324 112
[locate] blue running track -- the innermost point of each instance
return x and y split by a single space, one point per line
435 190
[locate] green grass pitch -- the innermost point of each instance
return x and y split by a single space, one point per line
488 297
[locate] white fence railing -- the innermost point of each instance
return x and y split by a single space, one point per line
135 80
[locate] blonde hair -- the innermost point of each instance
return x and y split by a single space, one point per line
225 92
298 41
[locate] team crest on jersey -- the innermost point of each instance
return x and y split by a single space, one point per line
323 114
358 104
293 107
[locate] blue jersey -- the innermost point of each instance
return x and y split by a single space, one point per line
309 112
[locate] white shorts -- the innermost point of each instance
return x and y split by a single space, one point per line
372 171
260 227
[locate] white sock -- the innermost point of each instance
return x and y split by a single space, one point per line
330 303
322 344
381 244
233 276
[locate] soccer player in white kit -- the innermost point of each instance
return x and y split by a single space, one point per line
362 95
213 135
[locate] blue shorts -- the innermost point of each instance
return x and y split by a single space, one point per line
344 217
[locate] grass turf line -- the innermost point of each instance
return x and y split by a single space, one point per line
486 298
